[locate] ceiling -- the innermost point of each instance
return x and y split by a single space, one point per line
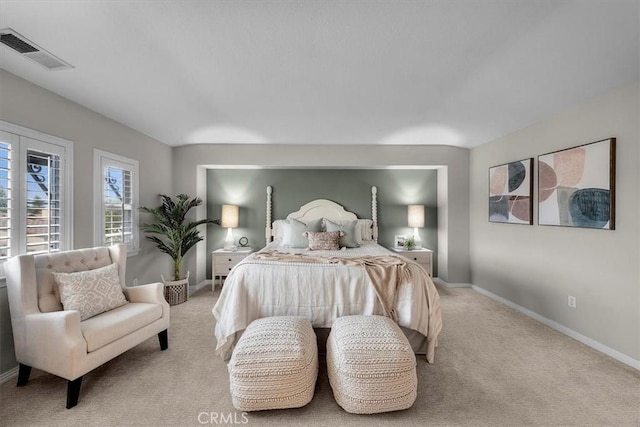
453 72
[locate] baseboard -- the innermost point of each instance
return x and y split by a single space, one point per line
627 360
439 281
201 285
6 376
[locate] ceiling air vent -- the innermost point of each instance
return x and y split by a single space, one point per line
30 50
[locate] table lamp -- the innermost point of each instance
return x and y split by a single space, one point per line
229 220
416 220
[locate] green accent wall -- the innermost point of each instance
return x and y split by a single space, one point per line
293 188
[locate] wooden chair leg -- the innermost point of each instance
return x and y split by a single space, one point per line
163 337
73 392
23 375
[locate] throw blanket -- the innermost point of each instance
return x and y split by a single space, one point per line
387 273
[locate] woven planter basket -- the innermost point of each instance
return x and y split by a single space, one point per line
176 291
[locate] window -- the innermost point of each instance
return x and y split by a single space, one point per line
35 192
116 205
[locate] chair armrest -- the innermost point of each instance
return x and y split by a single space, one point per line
51 340
152 293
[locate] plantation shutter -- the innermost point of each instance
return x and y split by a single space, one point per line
5 198
43 202
35 192
118 206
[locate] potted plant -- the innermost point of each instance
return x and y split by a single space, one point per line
410 243
172 233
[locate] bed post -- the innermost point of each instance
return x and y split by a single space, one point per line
374 212
267 230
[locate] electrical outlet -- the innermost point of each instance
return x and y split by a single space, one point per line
571 301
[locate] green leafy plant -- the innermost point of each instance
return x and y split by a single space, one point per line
172 233
410 242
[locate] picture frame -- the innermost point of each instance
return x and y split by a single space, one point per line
398 241
511 192
576 186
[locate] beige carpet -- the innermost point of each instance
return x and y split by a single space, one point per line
494 367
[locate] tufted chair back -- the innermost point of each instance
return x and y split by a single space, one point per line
70 262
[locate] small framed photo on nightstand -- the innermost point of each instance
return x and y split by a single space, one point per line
398 242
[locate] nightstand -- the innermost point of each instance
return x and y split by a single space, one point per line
222 261
422 256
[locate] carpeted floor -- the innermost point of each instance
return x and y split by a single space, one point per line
494 367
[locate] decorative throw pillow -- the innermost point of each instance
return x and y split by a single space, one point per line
350 229
294 232
364 229
91 292
366 226
323 241
278 229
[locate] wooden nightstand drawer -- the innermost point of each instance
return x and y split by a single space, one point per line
223 267
424 257
222 262
420 258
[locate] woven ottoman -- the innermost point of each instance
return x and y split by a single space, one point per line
371 365
274 364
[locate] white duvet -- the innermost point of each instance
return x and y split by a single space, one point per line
320 292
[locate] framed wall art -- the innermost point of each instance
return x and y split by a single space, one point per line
576 186
510 192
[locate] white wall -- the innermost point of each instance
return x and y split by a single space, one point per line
537 267
33 107
189 162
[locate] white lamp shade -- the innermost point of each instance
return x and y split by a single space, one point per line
416 216
229 216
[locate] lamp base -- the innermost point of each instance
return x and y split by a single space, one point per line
416 239
229 244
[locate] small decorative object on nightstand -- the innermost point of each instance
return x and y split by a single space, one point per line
222 261
422 256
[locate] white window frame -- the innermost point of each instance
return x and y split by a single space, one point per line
22 140
101 160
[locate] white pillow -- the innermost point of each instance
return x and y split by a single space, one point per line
294 232
278 228
352 234
366 226
91 292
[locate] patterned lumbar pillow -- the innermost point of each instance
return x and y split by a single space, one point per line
90 292
324 241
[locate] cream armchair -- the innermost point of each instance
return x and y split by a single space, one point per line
54 340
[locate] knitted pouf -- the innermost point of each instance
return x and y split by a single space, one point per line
371 365
274 364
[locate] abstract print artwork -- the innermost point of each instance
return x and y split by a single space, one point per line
510 191
576 186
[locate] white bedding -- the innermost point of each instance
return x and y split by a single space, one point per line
321 292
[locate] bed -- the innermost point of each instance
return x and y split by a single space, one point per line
322 285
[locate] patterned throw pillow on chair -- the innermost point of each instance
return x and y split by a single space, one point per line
91 292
